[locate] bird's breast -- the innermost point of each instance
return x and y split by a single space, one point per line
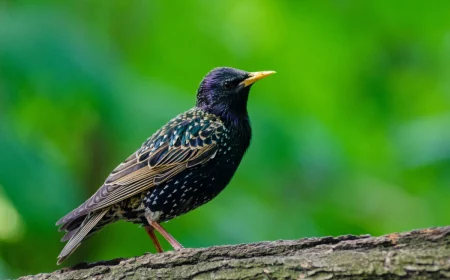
194 186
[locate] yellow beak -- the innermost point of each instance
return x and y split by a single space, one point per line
255 76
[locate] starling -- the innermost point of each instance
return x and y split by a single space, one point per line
185 164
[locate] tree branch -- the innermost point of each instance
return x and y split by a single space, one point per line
419 254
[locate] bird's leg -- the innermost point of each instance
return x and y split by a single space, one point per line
151 232
175 244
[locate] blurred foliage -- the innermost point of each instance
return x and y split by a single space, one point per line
351 136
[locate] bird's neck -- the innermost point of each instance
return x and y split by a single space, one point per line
232 115
237 122
231 111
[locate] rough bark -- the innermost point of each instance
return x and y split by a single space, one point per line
419 254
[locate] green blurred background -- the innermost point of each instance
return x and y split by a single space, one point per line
351 136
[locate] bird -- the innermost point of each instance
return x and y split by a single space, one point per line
183 165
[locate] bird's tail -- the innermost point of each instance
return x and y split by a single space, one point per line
80 232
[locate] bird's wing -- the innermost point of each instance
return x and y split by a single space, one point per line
184 142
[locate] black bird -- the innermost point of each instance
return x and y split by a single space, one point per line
183 165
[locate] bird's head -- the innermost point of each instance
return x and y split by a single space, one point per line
224 91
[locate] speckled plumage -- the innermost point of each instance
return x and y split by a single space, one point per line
183 165
193 186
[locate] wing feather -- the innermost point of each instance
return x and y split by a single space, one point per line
165 154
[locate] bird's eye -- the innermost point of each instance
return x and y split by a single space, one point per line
227 85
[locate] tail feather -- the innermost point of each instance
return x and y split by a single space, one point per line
73 224
69 235
77 235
